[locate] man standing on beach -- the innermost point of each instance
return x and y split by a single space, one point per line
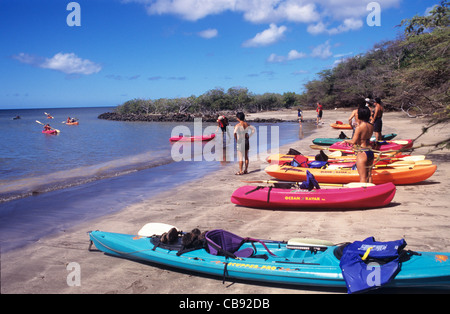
376 119
319 110
242 136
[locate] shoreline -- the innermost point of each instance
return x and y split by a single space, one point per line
419 213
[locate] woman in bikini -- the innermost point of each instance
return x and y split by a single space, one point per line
242 136
363 133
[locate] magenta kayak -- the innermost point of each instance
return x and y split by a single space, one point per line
192 138
329 198
382 146
50 132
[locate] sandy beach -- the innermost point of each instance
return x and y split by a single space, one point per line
419 213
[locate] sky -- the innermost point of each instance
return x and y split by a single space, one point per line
89 53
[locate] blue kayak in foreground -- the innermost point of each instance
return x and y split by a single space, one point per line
293 262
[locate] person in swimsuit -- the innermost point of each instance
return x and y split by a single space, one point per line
363 133
376 119
242 136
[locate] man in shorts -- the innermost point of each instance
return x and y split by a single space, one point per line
376 119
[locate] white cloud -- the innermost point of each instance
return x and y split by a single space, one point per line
322 51
266 11
67 63
208 33
292 55
266 37
348 25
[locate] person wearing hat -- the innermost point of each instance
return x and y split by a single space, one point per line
376 119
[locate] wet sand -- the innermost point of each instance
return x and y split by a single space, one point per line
419 213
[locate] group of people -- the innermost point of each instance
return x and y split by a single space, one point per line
365 123
363 120
242 133
319 110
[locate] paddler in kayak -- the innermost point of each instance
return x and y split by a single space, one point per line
242 136
361 137
47 127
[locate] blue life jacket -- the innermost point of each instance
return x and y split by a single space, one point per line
370 264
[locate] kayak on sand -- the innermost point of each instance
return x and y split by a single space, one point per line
380 146
396 175
384 159
341 126
298 261
192 138
330 141
329 198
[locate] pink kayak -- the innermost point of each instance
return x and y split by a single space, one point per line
328 198
382 146
192 138
50 132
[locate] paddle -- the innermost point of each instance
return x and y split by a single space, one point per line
50 127
347 185
49 116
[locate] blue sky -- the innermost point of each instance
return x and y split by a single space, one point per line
125 49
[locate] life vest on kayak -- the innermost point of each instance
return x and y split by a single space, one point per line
369 264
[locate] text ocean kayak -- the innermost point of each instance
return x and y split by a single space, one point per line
339 198
397 175
192 138
276 262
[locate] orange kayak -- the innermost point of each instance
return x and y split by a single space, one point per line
72 123
397 175
283 158
341 126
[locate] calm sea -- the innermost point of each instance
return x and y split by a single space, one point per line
51 182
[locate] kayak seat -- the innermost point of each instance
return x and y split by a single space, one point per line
223 243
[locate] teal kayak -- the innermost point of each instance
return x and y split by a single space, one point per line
297 261
331 141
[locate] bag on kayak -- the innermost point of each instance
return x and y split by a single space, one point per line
321 156
299 161
310 182
369 264
342 136
293 152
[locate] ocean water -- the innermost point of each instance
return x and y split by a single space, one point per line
51 182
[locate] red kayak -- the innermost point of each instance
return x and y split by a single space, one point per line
50 132
382 146
329 198
192 138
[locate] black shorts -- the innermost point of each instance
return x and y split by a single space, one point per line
377 125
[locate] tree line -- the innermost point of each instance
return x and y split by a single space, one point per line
412 70
213 101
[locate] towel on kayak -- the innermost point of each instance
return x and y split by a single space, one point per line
369 264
